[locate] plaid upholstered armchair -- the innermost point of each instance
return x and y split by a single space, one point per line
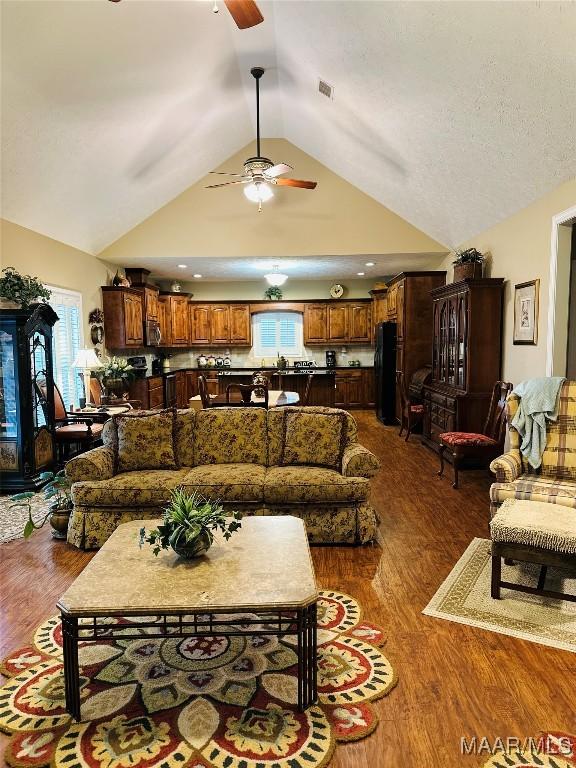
555 480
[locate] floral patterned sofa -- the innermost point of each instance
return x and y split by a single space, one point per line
285 461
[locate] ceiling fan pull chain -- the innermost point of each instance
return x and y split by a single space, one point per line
215 8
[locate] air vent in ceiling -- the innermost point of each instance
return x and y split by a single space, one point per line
325 89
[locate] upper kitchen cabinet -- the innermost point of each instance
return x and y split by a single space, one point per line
240 325
379 304
123 317
338 322
359 323
173 317
220 325
316 323
151 302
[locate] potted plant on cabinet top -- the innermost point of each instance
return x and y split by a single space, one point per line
20 291
468 265
188 523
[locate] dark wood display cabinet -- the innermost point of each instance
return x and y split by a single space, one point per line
466 356
26 427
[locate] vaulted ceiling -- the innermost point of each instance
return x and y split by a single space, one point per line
453 115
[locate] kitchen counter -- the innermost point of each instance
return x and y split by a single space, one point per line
252 368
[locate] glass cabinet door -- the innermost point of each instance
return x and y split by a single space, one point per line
9 418
443 341
451 378
461 347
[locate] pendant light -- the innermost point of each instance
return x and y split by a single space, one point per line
276 278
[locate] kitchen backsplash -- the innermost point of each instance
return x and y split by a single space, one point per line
244 358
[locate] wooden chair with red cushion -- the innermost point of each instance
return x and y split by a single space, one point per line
480 446
74 433
412 413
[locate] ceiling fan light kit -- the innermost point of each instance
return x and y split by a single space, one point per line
260 172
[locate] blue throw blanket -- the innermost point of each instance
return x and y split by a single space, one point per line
538 403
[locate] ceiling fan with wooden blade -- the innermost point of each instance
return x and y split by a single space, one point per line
259 171
245 13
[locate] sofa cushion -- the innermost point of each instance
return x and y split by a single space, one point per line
227 482
142 488
146 440
230 436
536 488
292 485
314 439
276 418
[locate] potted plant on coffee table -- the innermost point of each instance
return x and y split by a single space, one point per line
468 265
188 525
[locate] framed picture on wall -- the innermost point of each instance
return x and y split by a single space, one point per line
526 312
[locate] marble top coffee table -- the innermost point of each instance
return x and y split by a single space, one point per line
264 570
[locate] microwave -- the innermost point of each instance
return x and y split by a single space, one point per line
153 336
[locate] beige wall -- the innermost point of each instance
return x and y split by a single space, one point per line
292 290
519 250
334 219
56 264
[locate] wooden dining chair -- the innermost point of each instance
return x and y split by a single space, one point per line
411 414
73 433
480 446
246 392
203 392
306 395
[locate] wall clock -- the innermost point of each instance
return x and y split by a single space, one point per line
337 291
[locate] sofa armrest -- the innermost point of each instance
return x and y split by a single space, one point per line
507 467
97 464
358 461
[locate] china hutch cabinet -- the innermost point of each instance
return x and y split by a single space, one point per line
466 356
26 442
409 306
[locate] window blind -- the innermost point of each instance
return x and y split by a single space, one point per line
277 333
67 340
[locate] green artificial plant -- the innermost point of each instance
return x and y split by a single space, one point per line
22 289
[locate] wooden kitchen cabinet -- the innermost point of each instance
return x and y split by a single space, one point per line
315 323
379 305
150 392
123 317
199 324
350 389
240 325
338 317
191 385
219 324
151 302
173 319
360 323
369 382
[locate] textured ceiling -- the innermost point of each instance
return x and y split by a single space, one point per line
333 267
453 115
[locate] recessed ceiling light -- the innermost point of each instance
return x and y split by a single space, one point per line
369 263
360 274
196 275
182 266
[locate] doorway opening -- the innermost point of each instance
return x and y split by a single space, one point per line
571 346
561 342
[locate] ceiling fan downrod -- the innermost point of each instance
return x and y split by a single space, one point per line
257 73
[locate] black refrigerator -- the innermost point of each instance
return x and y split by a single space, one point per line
385 372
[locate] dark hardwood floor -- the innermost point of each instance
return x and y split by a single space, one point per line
454 681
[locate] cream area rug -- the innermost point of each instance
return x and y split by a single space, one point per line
465 597
13 519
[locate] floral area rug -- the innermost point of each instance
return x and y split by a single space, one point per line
209 702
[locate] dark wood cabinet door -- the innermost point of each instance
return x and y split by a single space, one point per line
220 324
355 393
179 321
341 390
181 399
338 323
400 316
240 326
155 393
315 324
369 388
133 320
165 321
151 303
199 324
360 323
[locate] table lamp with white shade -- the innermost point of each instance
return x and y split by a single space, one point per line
87 360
